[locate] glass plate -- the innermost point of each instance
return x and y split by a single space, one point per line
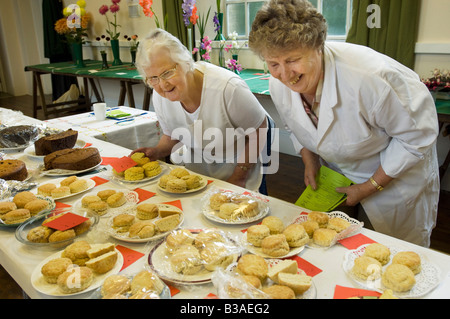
51 207
22 230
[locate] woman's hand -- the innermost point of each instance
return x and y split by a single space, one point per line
150 152
312 166
356 193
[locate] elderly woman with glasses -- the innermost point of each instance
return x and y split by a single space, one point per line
357 111
204 110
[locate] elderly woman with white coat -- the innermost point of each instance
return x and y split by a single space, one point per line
356 111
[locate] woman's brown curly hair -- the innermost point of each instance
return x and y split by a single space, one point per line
287 25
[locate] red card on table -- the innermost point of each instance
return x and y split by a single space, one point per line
129 255
306 266
176 203
108 160
144 194
59 205
123 163
173 290
99 181
354 242
341 292
66 221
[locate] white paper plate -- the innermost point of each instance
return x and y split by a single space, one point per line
132 198
90 184
258 250
41 285
66 172
203 184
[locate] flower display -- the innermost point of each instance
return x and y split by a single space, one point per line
75 22
438 81
232 65
134 41
205 49
216 22
234 47
114 8
148 11
189 12
104 39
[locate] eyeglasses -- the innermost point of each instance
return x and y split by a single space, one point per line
166 75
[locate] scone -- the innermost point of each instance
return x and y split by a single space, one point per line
99 207
84 279
275 224
146 281
227 211
63 235
100 249
152 169
140 158
324 237
83 227
176 186
208 235
61 191
16 216
115 284
142 229
256 233
320 217
252 281
410 259
147 211
77 252
7 207
87 200
366 268
134 173
53 268
179 172
78 186
116 200
310 226
398 277
283 266
164 179
296 235
22 198
253 265
46 189
379 252
275 245
103 263
215 255
36 206
217 199
299 283
338 224
186 260
192 181
39 234
177 238
123 222
167 223
104 194
68 180
279 292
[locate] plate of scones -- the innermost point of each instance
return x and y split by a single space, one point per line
190 256
378 267
62 188
145 223
181 181
231 208
79 268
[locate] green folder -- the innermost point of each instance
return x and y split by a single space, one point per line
324 198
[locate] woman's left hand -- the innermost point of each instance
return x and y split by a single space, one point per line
356 193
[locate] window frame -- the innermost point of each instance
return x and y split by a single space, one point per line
319 7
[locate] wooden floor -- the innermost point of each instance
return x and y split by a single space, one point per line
286 184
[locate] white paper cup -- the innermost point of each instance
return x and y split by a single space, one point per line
100 111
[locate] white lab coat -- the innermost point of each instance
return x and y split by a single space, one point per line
374 111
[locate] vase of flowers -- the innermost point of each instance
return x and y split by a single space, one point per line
439 84
73 26
133 47
190 18
112 29
148 12
234 66
103 53
205 49
218 23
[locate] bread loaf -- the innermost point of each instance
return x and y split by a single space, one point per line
73 159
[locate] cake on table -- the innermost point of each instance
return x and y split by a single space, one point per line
55 142
76 159
13 170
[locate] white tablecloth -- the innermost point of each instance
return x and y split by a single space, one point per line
21 260
141 131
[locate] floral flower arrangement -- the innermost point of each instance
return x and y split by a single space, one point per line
440 81
234 47
148 11
114 8
189 12
232 65
74 24
134 41
205 49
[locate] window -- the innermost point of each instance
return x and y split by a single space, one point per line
241 13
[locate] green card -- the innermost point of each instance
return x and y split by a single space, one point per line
324 198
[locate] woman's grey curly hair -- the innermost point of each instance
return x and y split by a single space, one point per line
287 25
